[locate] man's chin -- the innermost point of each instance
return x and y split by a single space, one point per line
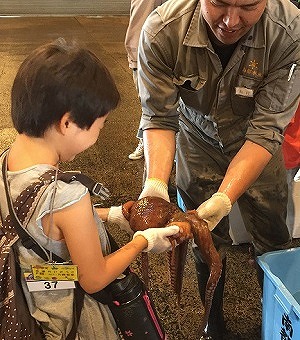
225 37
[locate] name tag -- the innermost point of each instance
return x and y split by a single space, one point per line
243 92
43 285
55 272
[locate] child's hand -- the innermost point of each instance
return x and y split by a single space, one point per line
115 216
158 238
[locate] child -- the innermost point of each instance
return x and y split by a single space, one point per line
61 97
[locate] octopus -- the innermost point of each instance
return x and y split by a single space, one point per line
155 212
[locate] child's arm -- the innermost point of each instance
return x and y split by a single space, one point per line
80 233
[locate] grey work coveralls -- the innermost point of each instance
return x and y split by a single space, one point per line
183 86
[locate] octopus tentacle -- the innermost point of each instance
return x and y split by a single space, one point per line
177 260
154 212
126 209
210 256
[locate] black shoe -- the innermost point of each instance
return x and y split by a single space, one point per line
215 330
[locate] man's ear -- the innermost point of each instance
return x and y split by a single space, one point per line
64 122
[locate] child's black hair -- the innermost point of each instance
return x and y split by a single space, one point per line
57 78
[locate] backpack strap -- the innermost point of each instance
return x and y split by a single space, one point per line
78 301
25 205
95 188
21 211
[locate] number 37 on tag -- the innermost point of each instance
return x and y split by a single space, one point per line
45 285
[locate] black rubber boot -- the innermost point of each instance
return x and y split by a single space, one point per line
216 325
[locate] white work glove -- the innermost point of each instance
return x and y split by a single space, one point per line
155 187
214 209
297 176
115 216
157 238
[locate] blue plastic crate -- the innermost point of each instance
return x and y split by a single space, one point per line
281 295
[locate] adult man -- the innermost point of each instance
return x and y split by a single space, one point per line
225 74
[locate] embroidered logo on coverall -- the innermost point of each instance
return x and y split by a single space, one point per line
252 69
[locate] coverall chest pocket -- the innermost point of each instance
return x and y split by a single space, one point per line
191 89
243 95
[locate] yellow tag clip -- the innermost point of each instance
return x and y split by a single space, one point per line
55 272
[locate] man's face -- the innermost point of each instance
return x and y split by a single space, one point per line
229 20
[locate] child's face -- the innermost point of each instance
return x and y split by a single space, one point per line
81 139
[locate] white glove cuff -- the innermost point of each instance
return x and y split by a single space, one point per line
226 201
149 239
115 215
155 187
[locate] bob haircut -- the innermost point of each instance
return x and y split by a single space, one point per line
57 78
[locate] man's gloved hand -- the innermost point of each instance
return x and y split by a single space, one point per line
214 209
157 238
115 216
155 187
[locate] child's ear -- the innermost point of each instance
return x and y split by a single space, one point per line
64 123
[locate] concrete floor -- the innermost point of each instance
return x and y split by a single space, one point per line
108 162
